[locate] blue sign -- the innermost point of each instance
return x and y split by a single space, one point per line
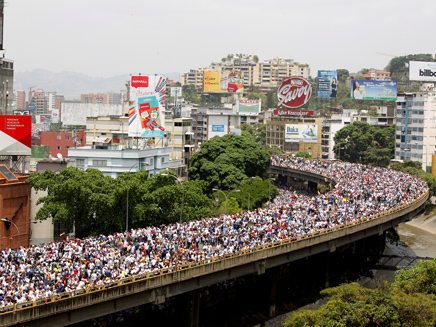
327 83
217 128
31 107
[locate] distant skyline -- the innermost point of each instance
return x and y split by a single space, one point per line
109 38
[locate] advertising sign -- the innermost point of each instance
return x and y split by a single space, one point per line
294 92
147 106
327 83
286 112
15 135
31 107
55 116
422 71
248 107
301 132
217 126
373 90
21 112
223 82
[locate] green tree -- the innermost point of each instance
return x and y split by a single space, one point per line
343 74
361 142
190 93
76 198
96 204
228 160
256 131
303 155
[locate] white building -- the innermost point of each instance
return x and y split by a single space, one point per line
113 162
330 126
416 127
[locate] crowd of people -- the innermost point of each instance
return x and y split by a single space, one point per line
358 191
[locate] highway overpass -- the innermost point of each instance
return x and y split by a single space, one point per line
156 287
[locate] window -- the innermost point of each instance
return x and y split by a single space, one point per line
59 147
100 163
162 160
151 161
67 137
67 147
59 137
80 162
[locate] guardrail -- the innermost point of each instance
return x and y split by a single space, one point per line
94 289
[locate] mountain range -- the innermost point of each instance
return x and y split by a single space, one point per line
72 84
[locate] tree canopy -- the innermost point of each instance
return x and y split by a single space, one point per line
97 204
363 143
226 161
409 301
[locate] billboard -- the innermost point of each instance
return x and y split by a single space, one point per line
147 106
422 71
76 113
286 112
295 92
373 90
223 82
55 116
248 107
301 132
15 135
21 112
327 83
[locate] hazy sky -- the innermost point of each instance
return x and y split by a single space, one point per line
108 38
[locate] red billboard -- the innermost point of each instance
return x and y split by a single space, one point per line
286 112
15 135
294 92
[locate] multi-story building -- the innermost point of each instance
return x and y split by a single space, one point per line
114 98
51 100
210 122
20 98
180 138
60 142
385 117
266 75
113 162
40 99
94 98
6 86
330 126
275 135
15 207
415 137
194 77
379 75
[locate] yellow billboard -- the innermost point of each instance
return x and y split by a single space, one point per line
223 82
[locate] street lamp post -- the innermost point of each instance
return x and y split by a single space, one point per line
181 215
215 189
6 220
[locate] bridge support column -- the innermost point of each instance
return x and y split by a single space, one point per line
195 311
273 292
312 185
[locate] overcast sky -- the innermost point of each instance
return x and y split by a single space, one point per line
108 38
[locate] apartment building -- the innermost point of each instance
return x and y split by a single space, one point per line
415 136
276 134
6 86
266 75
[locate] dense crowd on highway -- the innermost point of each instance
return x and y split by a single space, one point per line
358 191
